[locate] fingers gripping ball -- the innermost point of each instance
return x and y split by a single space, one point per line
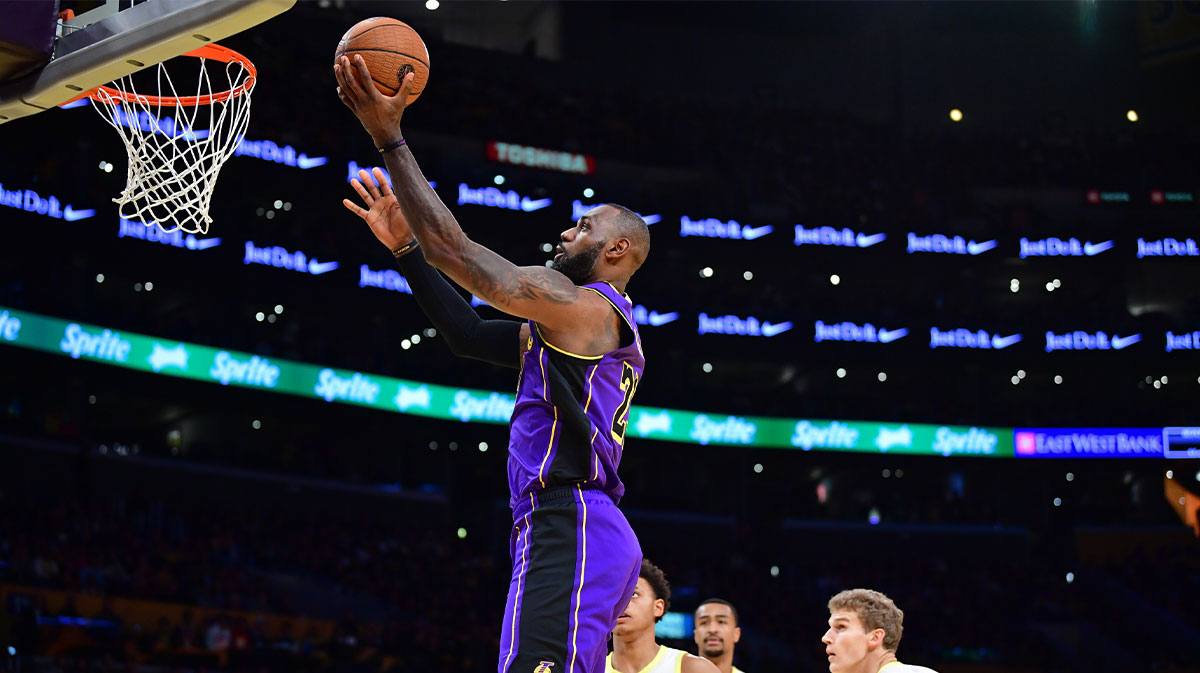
390 49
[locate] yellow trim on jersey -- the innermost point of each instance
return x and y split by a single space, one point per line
662 652
738 670
679 662
887 666
589 397
512 630
553 426
582 575
542 338
617 308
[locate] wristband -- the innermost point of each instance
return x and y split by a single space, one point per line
405 249
391 146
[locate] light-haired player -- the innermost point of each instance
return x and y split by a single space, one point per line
716 632
864 631
634 648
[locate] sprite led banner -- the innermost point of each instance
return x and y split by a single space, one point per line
234 368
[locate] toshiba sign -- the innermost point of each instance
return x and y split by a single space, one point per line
537 157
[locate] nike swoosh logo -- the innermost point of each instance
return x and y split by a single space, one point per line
194 243
769 330
999 342
750 233
976 248
317 268
888 336
659 319
865 241
529 205
1121 342
307 162
1090 248
70 214
651 219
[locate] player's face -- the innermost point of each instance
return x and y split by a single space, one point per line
641 612
716 631
580 246
847 642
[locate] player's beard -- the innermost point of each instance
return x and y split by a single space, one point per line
578 267
714 652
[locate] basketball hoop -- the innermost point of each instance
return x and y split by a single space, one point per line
175 152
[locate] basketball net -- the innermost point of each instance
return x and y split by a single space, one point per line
177 144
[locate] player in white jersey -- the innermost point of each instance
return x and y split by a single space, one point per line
716 632
634 648
864 631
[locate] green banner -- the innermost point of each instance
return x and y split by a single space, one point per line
235 368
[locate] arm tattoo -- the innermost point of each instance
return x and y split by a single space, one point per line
500 282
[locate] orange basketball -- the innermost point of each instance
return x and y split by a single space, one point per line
387 46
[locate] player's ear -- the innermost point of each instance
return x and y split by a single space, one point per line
737 634
618 247
876 639
660 607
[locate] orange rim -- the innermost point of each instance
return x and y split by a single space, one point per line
107 94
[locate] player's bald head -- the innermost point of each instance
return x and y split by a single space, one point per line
624 223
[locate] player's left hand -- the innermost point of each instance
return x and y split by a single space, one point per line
380 114
382 213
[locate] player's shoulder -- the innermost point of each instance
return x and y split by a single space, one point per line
908 668
690 663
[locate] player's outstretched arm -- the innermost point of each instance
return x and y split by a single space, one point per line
497 341
535 292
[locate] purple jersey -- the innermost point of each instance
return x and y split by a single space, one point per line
568 425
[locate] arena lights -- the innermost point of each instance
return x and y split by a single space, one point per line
774 573
91 399
835 279
547 247
499 179
841 372
956 115
483 447
706 272
432 5
1070 476
1014 285
279 309
260 316
1058 379
758 468
256 424
707 367
462 532
882 376
748 275
1132 115
588 192
99 278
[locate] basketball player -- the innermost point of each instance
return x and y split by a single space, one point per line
716 632
634 649
575 558
864 631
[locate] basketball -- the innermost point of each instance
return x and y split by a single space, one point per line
387 46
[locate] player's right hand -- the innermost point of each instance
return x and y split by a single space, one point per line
383 212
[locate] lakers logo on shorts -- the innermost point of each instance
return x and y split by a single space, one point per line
544 667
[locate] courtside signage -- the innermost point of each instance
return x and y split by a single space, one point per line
948 245
579 209
848 331
495 198
968 338
282 258
384 279
832 236
1080 340
1188 341
32 202
1058 247
538 157
153 234
1168 247
714 228
1088 442
734 325
270 151
644 316
250 370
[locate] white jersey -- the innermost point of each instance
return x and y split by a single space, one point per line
897 667
668 660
